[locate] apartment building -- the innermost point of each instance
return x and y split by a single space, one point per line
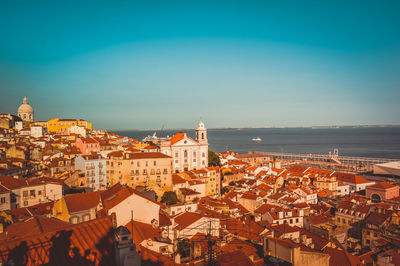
95 169
151 169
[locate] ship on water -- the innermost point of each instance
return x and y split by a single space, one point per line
258 139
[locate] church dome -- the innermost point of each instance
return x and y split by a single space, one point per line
25 107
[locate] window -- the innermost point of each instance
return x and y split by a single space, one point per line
155 163
138 164
25 203
367 241
25 193
74 220
32 193
375 235
86 217
176 154
147 163
203 155
152 171
2 200
165 171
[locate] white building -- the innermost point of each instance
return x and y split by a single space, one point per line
78 130
342 190
127 205
25 193
95 168
37 131
187 153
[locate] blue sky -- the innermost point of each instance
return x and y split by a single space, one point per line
136 65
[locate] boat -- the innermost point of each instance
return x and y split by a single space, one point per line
256 139
151 137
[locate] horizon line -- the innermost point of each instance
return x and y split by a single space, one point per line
260 127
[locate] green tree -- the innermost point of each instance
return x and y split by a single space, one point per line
169 198
184 247
213 159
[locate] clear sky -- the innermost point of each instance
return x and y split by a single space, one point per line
144 64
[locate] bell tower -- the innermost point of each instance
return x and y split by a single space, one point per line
201 134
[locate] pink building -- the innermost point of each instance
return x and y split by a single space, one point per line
87 145
382 191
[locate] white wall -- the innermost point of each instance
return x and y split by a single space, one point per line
53 191
144 210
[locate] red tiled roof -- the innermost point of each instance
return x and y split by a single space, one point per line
87 243
177 179
13 183
341 257
235 258
142 231
264 208
116 198
178 137
185 219
82 201
350 178
35 225
164 220
89 140
38 209
249 195
382 185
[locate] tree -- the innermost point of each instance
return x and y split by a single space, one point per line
169 198
184 247
213 159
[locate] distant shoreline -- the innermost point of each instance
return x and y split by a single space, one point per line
240 128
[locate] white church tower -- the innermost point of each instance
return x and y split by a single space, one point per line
201 134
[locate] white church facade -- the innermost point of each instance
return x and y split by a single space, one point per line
187 153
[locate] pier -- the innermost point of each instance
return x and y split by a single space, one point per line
332 161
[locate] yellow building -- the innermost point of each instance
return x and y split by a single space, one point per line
210 176
151 169
62 125
60 210
324 182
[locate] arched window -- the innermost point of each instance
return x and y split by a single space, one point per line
24 116
375 198
185 153
202 135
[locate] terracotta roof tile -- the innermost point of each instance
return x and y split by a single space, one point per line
87 243
82 201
